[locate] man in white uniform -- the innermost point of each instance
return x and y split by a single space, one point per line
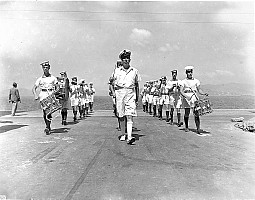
175 97
190 88
92 92
74 97
164 99
47 84
127 93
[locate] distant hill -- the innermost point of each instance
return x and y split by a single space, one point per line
229 89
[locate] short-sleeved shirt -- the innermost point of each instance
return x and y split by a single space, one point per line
190 85
171 83
46 84
126 78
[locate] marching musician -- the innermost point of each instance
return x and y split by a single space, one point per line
82 95
143 97
155 91
190 88
127 93
164 99
87 99
150 96
92 92
47 85
175 97
64 84
74 97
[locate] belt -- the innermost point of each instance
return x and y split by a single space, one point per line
164 94
45 90
118 88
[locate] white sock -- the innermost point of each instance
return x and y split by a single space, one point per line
129 130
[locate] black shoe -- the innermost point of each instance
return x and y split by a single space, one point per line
180 124
132 140
47 131
167 120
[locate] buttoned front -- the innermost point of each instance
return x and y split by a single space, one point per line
126 78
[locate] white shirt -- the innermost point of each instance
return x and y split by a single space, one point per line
126 78
46 82
171 83
190 85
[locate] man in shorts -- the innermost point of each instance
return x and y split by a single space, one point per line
190 88
74 97
175 97
127 93
47 84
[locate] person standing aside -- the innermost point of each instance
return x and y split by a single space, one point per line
190 88
92 91
175 97
127 93
63 82
14 98
47 84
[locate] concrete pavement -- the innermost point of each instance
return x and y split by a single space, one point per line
85 160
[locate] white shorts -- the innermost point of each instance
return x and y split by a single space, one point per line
150 98
189 103
155 100
175 101
74 101
164 100
125 102
144 99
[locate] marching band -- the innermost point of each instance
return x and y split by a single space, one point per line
157 95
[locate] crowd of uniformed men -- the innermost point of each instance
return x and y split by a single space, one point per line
124 88
161 94
78 96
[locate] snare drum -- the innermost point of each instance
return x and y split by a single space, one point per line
203 107
50 104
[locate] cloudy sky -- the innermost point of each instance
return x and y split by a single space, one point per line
85 38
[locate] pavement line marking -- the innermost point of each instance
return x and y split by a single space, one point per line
84 174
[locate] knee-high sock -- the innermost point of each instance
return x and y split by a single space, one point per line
179 118
172 115
167 115
197 122
186 121
154 110
129 129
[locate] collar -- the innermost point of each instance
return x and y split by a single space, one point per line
127 70
43 76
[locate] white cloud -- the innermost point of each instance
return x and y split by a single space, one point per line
168 47
140 36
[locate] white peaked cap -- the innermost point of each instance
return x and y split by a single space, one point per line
189 67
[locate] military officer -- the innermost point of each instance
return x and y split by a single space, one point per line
92 92
127 93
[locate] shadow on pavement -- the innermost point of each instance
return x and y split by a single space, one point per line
72 123
6 121
137 136
10 127
60 130
195 131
